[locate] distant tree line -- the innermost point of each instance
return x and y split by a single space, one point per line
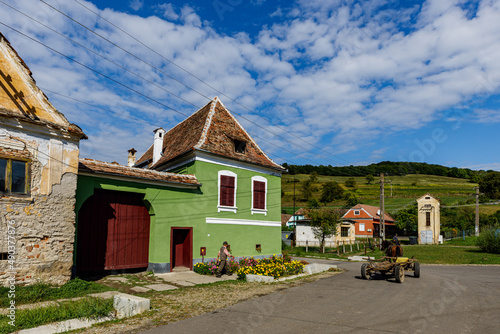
388 168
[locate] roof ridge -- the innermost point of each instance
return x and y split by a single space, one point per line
245 131
208 122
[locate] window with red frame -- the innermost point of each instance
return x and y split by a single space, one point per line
259 195
227 190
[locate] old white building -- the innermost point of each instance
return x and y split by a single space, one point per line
39 152
429 219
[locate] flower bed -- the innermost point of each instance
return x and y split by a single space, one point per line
275 266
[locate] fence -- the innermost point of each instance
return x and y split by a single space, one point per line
453 234
342 246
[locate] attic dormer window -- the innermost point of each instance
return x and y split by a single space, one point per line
239 146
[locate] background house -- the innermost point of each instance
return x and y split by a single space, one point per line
366 219
39 151
429 219
304 234
217 185
297 216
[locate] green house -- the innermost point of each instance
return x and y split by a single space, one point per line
203 182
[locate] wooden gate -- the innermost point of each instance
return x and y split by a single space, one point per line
113 232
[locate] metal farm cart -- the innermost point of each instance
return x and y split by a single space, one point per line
391 266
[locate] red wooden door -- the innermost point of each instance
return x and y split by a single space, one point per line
181 247
113 232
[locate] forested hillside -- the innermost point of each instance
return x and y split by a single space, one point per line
388 168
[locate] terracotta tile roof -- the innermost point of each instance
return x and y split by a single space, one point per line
211 129
373 211
285 218
106 168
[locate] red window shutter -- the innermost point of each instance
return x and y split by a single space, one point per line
259 195
227 190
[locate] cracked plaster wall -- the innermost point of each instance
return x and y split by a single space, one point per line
45 220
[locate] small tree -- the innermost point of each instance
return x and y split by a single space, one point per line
490 185
313 203
407 219
331 191
489 240
351 199
313 177
307 189
351 182
369 178
324 223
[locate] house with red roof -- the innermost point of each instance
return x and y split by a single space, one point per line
366 219
203 182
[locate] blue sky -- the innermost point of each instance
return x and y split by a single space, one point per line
313 81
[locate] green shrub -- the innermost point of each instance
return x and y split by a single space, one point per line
489 240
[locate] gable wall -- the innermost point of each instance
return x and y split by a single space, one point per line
44 220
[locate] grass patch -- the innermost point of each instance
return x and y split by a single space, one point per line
89 308
444 254
456 251
469 241
42 292
331 253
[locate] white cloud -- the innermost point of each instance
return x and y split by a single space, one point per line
336 73
168 11
487 116
136 4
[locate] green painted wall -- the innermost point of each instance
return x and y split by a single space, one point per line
174 207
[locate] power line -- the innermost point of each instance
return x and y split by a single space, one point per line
97 54
130 88
196 77
168 75
145 96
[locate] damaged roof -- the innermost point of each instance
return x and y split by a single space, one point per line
111 169
20 97
211 129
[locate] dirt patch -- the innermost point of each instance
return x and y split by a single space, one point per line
174 305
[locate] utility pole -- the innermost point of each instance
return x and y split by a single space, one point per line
477 211
382 214
293 214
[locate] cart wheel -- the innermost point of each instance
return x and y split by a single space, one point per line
364 274
399 274
416 270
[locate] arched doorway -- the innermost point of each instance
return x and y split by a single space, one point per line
113 232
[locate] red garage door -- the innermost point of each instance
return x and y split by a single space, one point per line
113 232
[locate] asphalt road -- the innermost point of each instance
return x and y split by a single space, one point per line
445 299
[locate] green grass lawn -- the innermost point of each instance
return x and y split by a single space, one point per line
450 254
456 251
331 253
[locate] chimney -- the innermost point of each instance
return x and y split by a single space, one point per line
131 157
158 144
